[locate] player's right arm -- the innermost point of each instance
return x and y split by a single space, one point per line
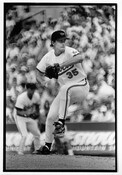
20 107
40 77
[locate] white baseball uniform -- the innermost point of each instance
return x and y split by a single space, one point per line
73 86
24 124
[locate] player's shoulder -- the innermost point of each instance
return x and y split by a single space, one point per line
22 95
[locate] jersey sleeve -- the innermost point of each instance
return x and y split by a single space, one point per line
73 52
41 66
19 103
37 98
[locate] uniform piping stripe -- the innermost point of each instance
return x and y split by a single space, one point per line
76 54
40 71
67 96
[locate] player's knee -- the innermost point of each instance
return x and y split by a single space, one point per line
64 92
64 88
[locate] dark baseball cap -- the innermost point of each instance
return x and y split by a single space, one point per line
57 36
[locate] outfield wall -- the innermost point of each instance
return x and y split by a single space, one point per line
91 138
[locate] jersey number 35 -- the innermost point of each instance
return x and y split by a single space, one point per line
72 73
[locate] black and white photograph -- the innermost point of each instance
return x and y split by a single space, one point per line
60 87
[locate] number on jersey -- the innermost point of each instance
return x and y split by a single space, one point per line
72 73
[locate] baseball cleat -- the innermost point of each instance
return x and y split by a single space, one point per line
35 152
59 129
43 150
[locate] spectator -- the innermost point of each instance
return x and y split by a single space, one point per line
22 76
11 97
12 73
13 51
33 47
31 75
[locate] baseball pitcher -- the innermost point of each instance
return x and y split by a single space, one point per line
64 64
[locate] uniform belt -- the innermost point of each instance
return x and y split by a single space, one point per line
23 116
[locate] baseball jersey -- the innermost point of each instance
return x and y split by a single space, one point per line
70 74
23 102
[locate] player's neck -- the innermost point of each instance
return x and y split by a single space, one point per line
58 53
30 96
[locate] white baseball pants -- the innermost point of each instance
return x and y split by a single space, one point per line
68 94
24 125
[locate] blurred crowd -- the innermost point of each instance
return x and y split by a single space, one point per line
91 30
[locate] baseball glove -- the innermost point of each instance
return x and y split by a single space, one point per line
34 114
52 71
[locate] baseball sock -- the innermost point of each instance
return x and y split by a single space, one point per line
63 121
48 144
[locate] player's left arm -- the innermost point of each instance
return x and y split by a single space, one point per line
74 60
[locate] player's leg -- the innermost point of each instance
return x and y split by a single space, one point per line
32 126
21 125
69 94
51 118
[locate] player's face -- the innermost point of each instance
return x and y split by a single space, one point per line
59 45
30 93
